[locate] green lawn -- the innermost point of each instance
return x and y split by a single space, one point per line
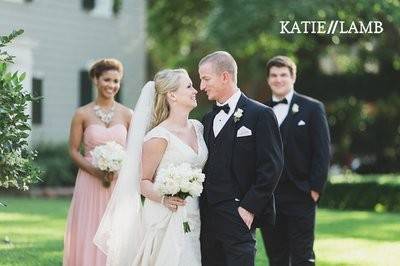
35 228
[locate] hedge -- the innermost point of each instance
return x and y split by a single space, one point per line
56 164
362 196
348 192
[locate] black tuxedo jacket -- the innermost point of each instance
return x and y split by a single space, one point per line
255 161
306 143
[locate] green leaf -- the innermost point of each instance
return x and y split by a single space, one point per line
22 77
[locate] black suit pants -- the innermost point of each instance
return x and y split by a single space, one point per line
291 240
225 238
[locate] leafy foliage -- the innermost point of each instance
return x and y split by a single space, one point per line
117 5
16 167
177 33
366 130
56 165
4 40
357 86
181 32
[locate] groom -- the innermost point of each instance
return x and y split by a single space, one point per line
244 164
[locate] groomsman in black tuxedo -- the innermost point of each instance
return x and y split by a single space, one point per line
305 135
244 163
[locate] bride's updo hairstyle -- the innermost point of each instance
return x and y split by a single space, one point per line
167 80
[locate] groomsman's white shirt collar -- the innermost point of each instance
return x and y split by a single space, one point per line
221 118
281 110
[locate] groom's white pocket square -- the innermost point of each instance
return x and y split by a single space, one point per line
301 123
243 132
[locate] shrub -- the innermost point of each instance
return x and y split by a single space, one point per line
16 157
56 164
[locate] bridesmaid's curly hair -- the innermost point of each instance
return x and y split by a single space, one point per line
167 80
103 65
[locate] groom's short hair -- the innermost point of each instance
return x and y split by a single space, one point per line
221 61
282 61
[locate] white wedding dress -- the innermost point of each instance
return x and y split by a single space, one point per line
164 240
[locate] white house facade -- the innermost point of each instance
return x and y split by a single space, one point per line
61 39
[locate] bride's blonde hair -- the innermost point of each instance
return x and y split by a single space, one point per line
167 80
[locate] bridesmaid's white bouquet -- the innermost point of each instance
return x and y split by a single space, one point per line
108 158
180 181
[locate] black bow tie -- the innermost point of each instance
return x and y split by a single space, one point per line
283 101
225 108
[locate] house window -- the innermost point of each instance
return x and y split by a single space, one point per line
88 4
37 106
85 88
102 8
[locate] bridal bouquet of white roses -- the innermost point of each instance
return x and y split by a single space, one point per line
108 158
180 181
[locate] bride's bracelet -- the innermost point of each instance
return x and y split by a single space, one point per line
162 200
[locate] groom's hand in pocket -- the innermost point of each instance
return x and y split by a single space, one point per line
247 216
314 195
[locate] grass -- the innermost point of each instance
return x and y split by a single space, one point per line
35 228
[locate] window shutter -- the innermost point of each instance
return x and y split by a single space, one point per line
37 106
85 89
88 4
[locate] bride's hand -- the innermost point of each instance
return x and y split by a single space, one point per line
172 203
111 176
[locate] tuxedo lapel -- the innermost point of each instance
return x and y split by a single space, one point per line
231 124
236 125
227 127
208 125
269 103
287 122
240 105
227 135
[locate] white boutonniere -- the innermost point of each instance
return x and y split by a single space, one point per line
237 115
295 108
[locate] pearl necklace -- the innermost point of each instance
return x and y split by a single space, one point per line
105 116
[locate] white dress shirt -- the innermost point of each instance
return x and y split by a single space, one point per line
221 118
281 110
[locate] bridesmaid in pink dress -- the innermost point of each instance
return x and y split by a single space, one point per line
94 124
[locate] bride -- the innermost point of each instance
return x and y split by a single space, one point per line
132 233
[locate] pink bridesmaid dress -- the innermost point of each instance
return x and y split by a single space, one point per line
89 203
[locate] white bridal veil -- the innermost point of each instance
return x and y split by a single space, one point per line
119 234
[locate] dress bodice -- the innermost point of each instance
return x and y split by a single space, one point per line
96 134
178 152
